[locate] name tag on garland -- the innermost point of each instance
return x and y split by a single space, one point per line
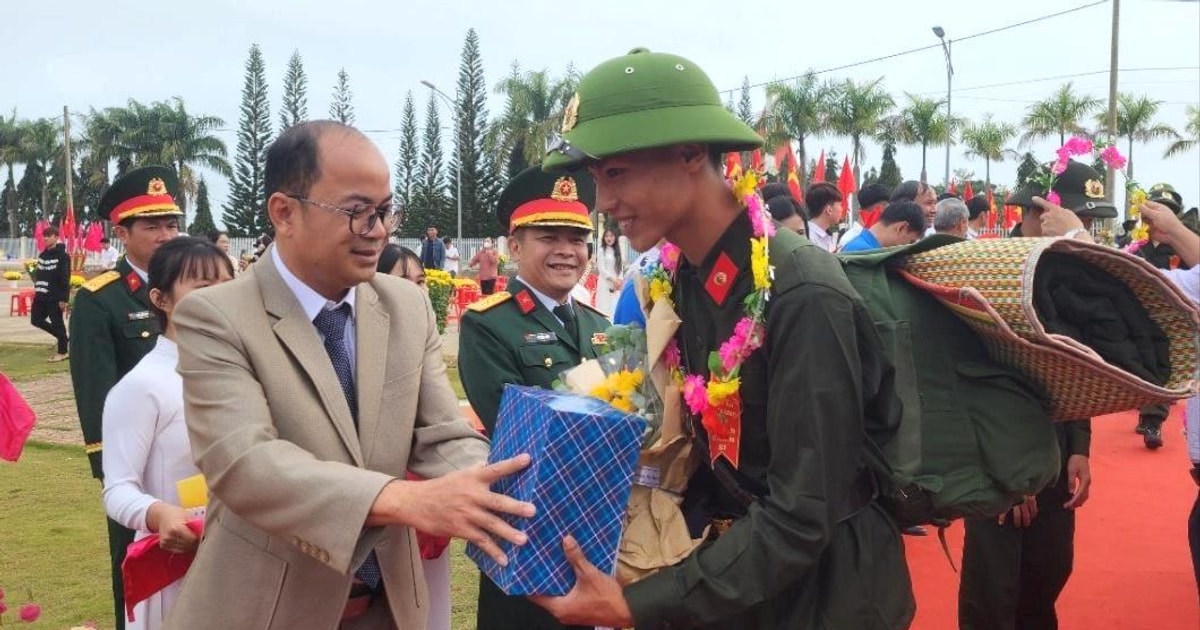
723 424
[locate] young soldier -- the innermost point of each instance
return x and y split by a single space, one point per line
533 332
112 326
798 541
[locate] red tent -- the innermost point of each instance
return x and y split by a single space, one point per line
846 185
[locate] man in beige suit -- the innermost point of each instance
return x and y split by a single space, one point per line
311 385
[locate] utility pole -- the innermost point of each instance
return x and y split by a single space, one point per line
1112 95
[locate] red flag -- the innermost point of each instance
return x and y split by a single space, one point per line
967 192
991 219
819 171
846 185
756 161
69 230
733 165
38 239
1012 216
148 568
781 156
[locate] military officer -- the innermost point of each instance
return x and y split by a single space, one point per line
798 541
112 326
531 333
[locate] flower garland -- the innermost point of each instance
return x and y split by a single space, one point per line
703 394
1106 152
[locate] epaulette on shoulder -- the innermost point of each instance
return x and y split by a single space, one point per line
591 308
100 281
490 301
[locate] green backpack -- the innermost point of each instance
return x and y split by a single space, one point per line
975 435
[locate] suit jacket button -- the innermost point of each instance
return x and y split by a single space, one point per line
549 362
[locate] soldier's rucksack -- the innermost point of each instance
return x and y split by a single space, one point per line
975 435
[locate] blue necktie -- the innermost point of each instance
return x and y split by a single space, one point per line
332 324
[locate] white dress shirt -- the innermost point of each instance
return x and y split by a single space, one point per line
146 451
108 257
313 303
821 238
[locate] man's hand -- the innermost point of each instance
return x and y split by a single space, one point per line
1164 225
1057 220
1023 513
1079 479
460 504
595 600
62 306
170 522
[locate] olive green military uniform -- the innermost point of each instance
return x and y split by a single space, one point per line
112 328
814 550
511 337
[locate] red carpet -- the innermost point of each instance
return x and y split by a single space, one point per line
1132 566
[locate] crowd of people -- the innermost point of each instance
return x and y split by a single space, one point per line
309 389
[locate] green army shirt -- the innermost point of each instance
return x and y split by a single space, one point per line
112 328
814 551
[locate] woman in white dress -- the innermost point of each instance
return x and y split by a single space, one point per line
146 448
611 278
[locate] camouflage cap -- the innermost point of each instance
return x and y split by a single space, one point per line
644 100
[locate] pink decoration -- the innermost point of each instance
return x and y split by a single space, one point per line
671 355
1053 198
1059 167
1113 158
695 394
1078 146
760 220
30 612
669 254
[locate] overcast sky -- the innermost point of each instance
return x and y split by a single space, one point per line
98 54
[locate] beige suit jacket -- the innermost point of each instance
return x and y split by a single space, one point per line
291 480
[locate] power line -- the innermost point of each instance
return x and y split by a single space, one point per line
1066 76
924 48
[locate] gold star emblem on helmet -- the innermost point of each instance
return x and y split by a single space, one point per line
565 190
1094 189
156 187
571 113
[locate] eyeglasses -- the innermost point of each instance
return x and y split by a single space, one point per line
363 216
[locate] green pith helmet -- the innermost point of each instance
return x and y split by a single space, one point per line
1166 195
1080 187
644 100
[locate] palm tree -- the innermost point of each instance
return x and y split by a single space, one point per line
534 110
1059 114
921 122
10 156
41 144
798 111
857 110
1135 121
188 143
987 140
1183 145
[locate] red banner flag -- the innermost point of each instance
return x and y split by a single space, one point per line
733 165
819 171
846 185
967 192
756 161
69 230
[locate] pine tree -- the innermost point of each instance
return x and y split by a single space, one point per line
7 219
471 101
245 213
889 171
1026 169
745 105
202 224
729 103
871 176
410 154
491 183
832 168
342 108
294 109
429 196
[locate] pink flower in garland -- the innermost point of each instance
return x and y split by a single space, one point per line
759 220
695 394
746 338
1113 158
30 612
1053 198
669 254
1060 166
1078 146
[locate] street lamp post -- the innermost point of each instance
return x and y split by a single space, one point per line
458 147
941 35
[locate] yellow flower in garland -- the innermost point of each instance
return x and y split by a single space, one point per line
618 389
720 390
759 263
745 185
660 289
1136 199
623 403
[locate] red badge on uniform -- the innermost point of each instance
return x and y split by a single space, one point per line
720 279
525 302
723 424
133 282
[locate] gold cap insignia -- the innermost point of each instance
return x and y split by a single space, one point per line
565 190
1094 189
571 113
157 187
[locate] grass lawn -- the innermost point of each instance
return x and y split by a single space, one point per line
27 361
